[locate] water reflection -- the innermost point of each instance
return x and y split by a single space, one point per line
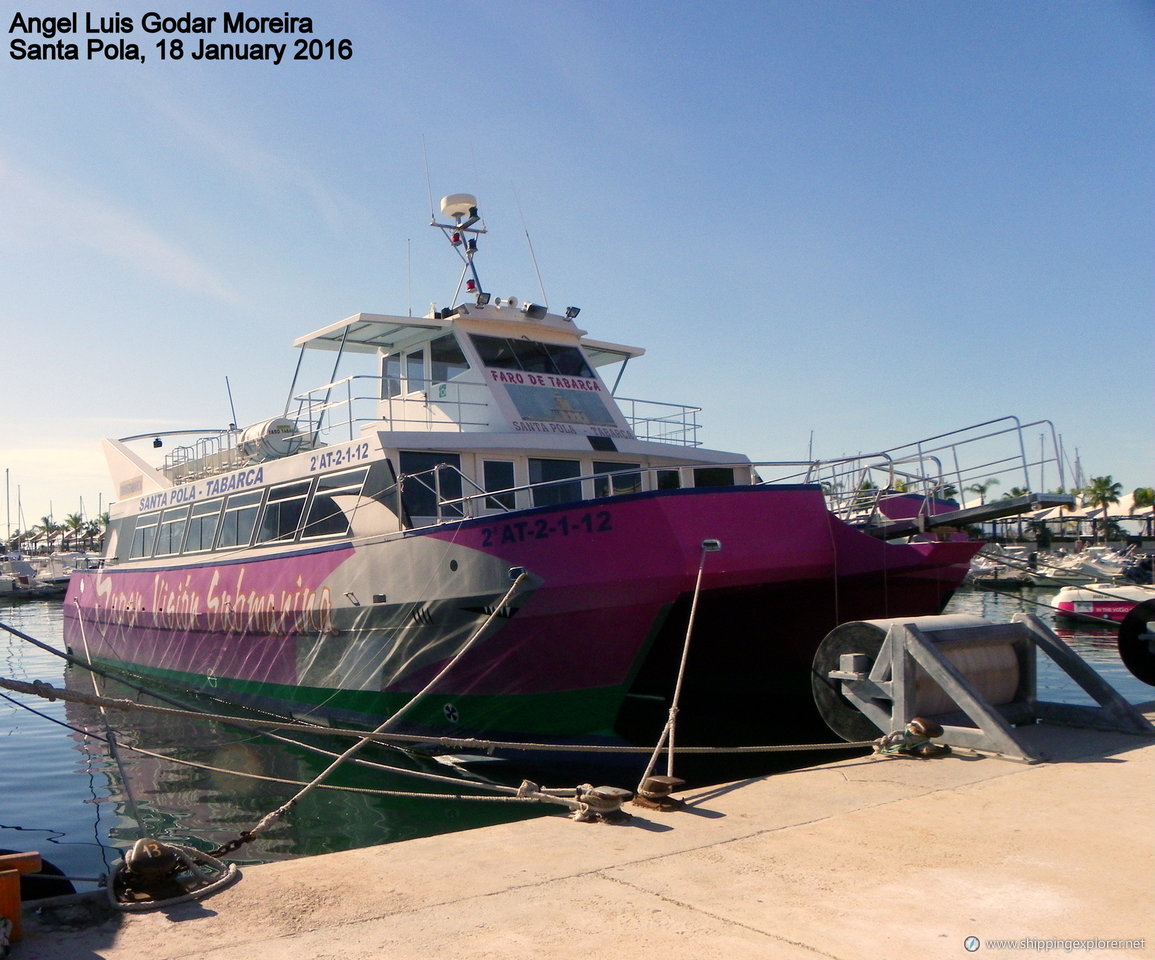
231 778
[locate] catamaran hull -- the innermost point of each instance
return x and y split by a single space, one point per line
585 648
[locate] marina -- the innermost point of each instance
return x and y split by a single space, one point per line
475 586
726 529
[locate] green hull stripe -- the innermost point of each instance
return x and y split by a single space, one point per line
564 714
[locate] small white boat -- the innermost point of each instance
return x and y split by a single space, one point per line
20 580
1101 601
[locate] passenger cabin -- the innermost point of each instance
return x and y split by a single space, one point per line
470 411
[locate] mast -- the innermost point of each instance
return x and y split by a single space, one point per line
462 208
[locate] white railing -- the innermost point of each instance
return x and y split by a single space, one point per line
661 422
976 464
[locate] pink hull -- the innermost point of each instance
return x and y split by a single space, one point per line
607 611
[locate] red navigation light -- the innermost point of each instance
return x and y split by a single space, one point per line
455 239
471 286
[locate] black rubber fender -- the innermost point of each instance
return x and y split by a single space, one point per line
1136 644
840 715
50 882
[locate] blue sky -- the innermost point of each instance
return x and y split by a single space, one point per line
866 222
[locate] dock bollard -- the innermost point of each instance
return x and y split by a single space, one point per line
654 793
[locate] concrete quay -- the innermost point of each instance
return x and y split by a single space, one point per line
861 859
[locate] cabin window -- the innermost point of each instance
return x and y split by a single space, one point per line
616 485
669 480
713 476
325 517
144 536
239 519
391 385
531 356
556 474
202 526
497 475
446 359
170 533
424 486
283 511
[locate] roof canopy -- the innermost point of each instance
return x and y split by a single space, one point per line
370 332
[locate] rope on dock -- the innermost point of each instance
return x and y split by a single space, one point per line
155 875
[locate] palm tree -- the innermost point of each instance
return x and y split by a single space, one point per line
74 524
945 491
1141 498
1012 494
1101 492
49 528
981 488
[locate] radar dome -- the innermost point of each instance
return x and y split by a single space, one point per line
458 205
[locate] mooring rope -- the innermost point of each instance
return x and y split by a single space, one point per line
49 692
667 738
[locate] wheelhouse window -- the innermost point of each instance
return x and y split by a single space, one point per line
325 517
531 356
619 483
202 526
144 536
415 371
391 384
669 480
446 359
497 476
283 512
170 532
555 477
403 373
240 517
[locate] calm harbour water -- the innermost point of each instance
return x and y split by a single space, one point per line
63 794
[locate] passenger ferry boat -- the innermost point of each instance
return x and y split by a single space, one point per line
498 521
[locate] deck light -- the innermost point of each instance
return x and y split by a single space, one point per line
534 311
571 312
482 299
158 442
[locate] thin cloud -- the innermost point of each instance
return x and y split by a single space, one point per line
55 212
268 174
